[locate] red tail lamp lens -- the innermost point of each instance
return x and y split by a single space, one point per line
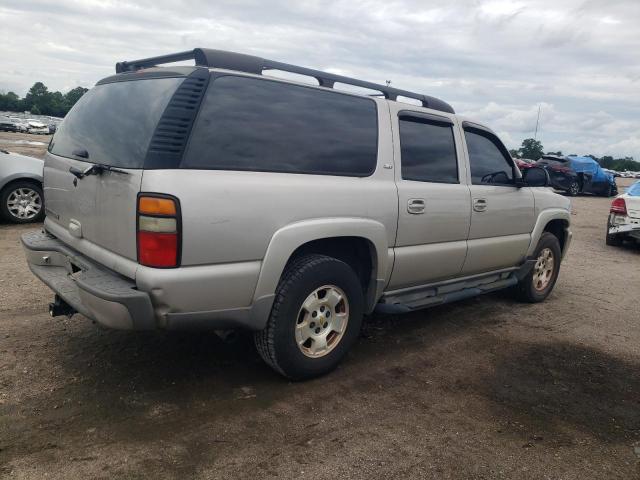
619 206
158 249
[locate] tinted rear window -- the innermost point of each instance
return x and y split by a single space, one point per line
261 125
428 151
114 122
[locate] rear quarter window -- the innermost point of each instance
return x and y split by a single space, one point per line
263 125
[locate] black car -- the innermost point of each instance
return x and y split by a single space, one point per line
8 125
576 175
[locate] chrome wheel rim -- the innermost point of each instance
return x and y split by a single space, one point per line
322 321
543 270
574 188
24 203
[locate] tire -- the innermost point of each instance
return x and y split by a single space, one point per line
534 288
281 344
22 190
574 189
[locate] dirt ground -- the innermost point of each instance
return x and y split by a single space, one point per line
25 143
486 389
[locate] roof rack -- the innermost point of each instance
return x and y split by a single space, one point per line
206 57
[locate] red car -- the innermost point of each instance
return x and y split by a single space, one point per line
523 163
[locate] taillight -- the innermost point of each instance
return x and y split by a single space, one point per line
619 206
158 231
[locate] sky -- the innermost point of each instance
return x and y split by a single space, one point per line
495 61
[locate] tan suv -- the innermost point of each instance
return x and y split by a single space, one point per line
217 197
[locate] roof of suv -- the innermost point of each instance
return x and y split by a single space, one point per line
210 58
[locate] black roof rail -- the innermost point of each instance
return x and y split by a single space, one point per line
207 57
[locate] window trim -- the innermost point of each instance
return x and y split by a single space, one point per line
215 75
428 119
493 138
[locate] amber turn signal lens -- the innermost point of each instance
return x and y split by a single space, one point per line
156 206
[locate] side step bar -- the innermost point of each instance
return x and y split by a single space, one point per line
416 298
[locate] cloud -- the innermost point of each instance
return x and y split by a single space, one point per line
496 60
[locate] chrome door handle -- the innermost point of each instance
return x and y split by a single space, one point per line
415 206
479 204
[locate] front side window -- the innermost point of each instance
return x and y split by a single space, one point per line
263 125
427 150
489 164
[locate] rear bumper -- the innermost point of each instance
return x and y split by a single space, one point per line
625 229
94 291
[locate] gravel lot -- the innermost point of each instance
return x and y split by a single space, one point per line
25 143
486 388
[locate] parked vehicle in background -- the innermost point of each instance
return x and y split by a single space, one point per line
37 127
215 197
10 124
576 175
523 163
21 197
624 217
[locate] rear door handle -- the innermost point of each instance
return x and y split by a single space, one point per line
415 206
479 204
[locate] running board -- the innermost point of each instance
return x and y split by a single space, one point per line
416 298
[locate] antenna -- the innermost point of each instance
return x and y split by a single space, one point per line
535 136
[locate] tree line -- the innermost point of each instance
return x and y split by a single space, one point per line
40 101
533 149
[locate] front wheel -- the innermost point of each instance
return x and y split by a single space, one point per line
315 318
537 285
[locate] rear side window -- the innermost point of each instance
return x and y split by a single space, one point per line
489 164
261 125
428 152
113 123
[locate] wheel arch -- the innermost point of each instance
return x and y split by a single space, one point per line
20 177
343 238
555 221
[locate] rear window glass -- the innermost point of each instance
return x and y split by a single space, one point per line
262 125
428 151
114 122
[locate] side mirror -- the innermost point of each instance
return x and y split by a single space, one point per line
536 177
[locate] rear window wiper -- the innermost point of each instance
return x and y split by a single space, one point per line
94 169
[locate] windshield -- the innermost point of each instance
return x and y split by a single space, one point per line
113 123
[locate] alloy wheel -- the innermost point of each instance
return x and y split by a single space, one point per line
543 269
24 203
322 321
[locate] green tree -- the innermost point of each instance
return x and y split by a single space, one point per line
531 148
514 153
11 102
73 96
39 98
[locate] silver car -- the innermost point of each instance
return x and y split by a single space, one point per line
21 198
215 197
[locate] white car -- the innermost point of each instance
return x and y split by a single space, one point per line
37 127
624 217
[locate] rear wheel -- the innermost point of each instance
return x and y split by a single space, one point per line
22 202
537 285
574 188
315 318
